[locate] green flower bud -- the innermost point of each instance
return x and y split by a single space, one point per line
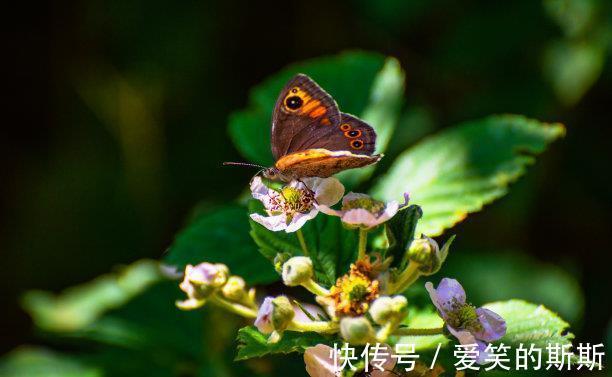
297 271
282 313
234 289
356 330
385 309
426 252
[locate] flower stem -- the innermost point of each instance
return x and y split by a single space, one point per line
300 237
322 327
363 243
315 288
405 279
419 332
233 307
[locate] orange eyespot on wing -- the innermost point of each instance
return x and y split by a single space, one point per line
321 163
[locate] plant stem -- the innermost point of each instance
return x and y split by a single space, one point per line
322 327
419 332
363 243
405 279
233 307
300 237
315 288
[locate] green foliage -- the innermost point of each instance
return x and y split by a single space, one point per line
400 232
531 324
465 167
221 236
252 343
494 275
80 306
41 362
330 246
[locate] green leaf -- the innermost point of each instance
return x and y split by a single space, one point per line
331 247
80 306
252 343
221 236
493 275
400 232
528 323
465 167
250 128
29 361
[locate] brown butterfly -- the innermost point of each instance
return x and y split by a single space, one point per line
312 138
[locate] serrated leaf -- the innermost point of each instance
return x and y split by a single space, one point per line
400 232
331 247
465 167
250 128
30 361
252 343
80 306
528 323
221 236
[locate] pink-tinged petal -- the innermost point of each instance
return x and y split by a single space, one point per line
299 219
406 200
319 361
463 336
273 223
390 210
483 355
313 310
493 325
360 216
353 196
263 322
328 191
388 364
329 211
450 293
258 189
433 294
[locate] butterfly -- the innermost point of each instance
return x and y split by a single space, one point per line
311 138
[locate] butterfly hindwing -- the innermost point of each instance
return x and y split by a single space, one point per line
303 111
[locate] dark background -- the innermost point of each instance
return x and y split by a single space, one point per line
116 119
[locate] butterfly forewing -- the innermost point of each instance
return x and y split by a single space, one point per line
303 110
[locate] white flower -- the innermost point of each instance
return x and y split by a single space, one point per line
360 210
291 207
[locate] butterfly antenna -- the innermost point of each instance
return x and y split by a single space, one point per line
243 164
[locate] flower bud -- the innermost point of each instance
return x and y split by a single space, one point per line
274 314
385 309
200 282
297 271
279 260
234 288
426 253
356 330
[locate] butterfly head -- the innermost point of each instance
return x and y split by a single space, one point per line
274 174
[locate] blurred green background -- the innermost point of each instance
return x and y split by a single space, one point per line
117 120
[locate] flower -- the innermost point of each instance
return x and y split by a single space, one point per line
356 330
273 317
200 281
385 309
468 324
353 292
320 359
296 271
360 210
296 203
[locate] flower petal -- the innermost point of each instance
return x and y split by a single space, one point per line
360 216
299 219
319 361
273 223
263 322
258 189
329 211
328 191
450 292
493 325
433 294
390 210
483 355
